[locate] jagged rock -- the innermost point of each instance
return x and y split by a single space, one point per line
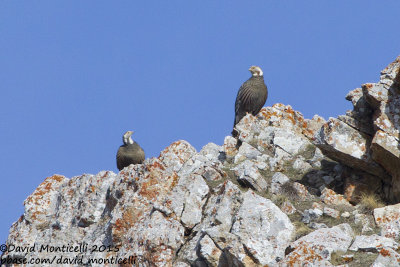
278 179
391 230
384 97
177 154
372 243
185 209
246 151
328 196
301 165
388 219
212 152
345 214
331 212
367 138
387 214
229 147
288 208
310 215
315 249
387 258
347 145
268 242
209 251
249 176
302 191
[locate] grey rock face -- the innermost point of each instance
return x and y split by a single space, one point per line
216 207
387 258
315 248
372 243
249 176
367 138
161 213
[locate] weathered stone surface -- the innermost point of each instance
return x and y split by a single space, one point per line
302 191
367 138
40 206
310 215
384 97
248 175
387 214
212 152
267 242
347 145
372 243
391 230
246 151
288 208
315 248
209 251
177 154
331 212
278 179
387 258
187 209
328 196
229 147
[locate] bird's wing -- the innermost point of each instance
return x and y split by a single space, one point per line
120 159
244 98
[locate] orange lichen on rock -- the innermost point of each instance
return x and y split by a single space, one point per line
304 253
43 188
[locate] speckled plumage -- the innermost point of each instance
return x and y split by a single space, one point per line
251 97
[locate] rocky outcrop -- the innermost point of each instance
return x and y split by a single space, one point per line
367 138
285 197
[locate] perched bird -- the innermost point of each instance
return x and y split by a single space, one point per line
129 153
251 96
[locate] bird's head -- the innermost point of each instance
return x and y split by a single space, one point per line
256 71
126 138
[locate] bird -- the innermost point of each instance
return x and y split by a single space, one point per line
129 153
251 97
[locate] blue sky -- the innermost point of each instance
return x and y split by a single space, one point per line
75 75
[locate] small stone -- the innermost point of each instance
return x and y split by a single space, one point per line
372 243
332 212
345 214
246 151
288 208
229 147
300 165
328 196
278 179
302 191
248 175
316 226
311 214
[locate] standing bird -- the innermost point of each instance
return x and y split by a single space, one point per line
251 96
129 153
